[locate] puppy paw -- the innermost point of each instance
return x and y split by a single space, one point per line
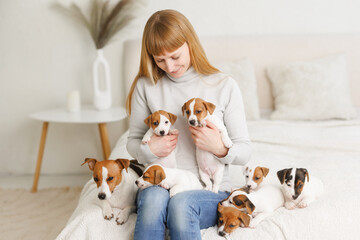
173 192
290 205
122 217
173 132
108 215
145 140
227 142
164 185
253 224
303 204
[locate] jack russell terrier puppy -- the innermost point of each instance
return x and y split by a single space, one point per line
297 191
159 123
115 182
229 219
174 179
254 177
259 204
197 112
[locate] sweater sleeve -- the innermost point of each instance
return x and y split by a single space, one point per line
137 129
235 122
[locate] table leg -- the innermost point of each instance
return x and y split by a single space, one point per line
40 156
104 140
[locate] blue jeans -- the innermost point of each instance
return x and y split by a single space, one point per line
184 214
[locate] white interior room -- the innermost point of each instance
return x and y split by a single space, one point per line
46 55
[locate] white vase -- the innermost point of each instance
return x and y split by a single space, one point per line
102 97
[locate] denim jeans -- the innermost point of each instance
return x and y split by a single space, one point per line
184 214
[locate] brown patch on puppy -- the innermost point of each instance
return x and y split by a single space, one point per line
301 174
241 201
172 117
113 167
284 175
259 174
154 175
231 219
244 189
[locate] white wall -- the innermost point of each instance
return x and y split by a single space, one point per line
44 54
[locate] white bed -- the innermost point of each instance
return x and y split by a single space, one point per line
329 149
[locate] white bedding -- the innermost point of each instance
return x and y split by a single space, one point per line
329 150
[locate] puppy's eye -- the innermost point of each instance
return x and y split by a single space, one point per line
198 111
156 123
166 122
96 179
257 178
300 185
231 225
288 185
144 177
247 176
187 112
110 178
221 221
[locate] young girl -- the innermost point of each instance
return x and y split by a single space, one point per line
174 69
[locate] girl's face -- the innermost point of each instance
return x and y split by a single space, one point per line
174 63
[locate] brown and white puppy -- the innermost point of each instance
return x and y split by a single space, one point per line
197 112
176 180
259 204
115 181
254 176
298 189
159 123
229 219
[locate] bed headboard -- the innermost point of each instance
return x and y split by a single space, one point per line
264 51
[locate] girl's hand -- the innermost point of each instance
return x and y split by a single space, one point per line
164 145
209 139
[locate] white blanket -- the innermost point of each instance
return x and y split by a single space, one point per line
329 150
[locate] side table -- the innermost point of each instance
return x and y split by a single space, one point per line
87 114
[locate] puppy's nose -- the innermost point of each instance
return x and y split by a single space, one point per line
136 182
248 186
101 196
162 132
222 233
192 122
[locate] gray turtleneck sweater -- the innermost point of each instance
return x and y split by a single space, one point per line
169 94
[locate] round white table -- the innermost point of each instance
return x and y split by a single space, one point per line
87 114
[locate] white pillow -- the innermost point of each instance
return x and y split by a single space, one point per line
244 74
313 90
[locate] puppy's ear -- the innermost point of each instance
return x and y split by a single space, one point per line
244 218
265 171
220 207
183 109
147 121
281 174
91 163
306 173
250 207
172 118
245 168
159 175
123 163
210 107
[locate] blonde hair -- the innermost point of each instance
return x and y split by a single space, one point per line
167 30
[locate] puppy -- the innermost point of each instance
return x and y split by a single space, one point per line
159 123
230 219
254 177
115 182
259 204
298 191
176 180
197 111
